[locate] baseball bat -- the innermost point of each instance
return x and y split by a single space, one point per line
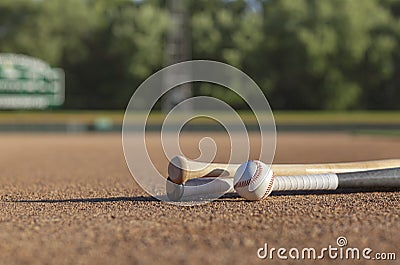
195 189
181 169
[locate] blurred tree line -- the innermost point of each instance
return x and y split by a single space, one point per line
304 54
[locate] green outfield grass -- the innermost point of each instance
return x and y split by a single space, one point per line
40 117
325 117
281 117
378 132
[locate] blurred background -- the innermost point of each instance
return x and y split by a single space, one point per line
333 56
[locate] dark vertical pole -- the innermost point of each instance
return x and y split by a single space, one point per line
177 50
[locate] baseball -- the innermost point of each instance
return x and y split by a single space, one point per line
253 180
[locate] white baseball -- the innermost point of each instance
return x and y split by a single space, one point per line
253 180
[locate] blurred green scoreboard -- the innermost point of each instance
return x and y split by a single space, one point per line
29 83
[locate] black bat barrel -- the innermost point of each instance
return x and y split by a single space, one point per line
382 178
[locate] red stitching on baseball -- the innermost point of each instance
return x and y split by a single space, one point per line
258 172
242 183
252 179
269 187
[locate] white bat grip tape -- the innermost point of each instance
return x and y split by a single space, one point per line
306 182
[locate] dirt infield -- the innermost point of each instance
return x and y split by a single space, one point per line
70 199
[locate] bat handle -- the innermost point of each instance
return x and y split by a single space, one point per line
180 169
306 182
199 189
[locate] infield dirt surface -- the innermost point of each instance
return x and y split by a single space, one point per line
70 199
